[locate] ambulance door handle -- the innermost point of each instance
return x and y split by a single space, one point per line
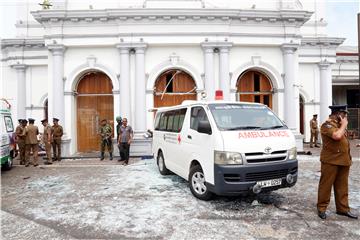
189 137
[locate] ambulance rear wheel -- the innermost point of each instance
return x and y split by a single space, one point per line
161 165
198 184
8 165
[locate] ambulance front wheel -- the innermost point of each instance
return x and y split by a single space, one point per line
161 164
198 184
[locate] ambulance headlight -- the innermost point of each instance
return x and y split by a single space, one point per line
225 158
292 153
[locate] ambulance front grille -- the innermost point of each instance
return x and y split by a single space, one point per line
259 157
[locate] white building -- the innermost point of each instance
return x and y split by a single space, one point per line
84 62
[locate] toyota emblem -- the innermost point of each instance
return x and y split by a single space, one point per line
267 150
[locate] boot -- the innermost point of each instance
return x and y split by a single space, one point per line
102 156
111 158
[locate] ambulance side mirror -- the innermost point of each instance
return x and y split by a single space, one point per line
204 127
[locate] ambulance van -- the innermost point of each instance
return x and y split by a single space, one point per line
7 141
225 148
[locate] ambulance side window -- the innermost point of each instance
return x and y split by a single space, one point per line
197 114
163 122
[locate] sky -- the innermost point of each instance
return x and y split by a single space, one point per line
341 18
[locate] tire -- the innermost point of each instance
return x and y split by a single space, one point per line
198 184
8 165
161 164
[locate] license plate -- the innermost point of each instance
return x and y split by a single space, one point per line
270 183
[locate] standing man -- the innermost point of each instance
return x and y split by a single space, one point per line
335 163
119 123
31 143
46 138
314 131
57 132
20 139
125 138
106 139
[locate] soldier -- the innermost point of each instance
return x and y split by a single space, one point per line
335 163
46 138
314 130
31 143
57 132
20 139
106 140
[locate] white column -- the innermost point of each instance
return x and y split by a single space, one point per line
291 102
125 104
325 90
209 72
140 89
56 100
224 76
21 90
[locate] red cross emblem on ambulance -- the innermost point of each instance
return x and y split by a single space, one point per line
179 138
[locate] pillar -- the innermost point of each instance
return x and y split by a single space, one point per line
325 90
140 89
21 90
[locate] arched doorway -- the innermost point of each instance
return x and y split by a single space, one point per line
94 103
173 87
254 86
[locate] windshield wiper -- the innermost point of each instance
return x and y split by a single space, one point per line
242 127
273 127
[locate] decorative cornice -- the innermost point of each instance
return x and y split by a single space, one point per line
295 17
321 41
23 43
289 48
56 49
220 45
19 67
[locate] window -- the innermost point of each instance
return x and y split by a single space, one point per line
8 124
170 121
230 117
163 122
197 114
256 82
169 83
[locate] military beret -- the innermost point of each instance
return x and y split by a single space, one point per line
44 120
338 108
118 118
55 119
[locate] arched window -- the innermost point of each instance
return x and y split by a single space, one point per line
255 86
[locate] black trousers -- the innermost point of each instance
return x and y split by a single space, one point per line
124 151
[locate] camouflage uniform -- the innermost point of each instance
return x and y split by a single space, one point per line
106 140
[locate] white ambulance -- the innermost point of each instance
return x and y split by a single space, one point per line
226 148
7 141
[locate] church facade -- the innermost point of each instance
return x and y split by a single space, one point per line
84 64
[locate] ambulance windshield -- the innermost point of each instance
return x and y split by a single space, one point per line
230 117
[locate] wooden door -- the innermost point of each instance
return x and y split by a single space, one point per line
94 103
255 86
179 86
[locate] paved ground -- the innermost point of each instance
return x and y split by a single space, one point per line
89 199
